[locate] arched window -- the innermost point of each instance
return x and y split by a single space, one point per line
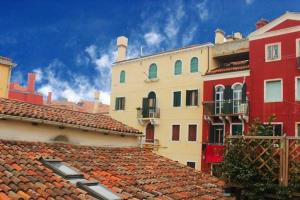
178 67
152 71
237 97
194 65
122 76
219 99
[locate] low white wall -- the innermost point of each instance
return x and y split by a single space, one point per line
18 130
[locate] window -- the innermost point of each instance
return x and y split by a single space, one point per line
274 129
122 76
178 67
219 99
298 47
298 130
177 99
273 52
297 88
152 71
97 190
194 65
192 97
237 97
120 103
175 132
191 164
192 132
216 134
236 129
273 91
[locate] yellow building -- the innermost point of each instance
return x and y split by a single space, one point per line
5 71
161 95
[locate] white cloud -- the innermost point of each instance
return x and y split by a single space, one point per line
152 38
248 2
103 61
202 10
189 35
39 75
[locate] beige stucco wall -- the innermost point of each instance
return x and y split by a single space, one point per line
4 80
135 88
18 130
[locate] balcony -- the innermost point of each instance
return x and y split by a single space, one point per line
226 109
145 115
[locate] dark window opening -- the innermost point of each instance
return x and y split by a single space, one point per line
216 134
191 164
120 103
192 97
177 99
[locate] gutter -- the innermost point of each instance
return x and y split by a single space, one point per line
60 124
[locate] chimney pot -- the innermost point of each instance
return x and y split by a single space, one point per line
31 82
122 43
49 98
260 23
219 36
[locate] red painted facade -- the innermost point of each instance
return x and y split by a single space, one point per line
287 111
27 94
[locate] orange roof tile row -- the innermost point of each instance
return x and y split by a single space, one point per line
132 173
64 116
230 67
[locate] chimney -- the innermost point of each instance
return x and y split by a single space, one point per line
96 103
219 36
122 43
31 82
49 98
237 36
260 23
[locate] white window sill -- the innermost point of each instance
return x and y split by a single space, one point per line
151 80
273 101
272 60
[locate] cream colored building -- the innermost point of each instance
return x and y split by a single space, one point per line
166 103
5 72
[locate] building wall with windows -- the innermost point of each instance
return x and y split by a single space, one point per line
150 82
6 65
275 72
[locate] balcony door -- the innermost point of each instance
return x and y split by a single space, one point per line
237 98
219 99
150 133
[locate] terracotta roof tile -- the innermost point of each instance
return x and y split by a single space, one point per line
230 67
132 173
64 116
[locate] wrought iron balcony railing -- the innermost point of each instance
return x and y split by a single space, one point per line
225 107
148 113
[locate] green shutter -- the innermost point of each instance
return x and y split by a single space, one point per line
122 77
194 65
152 71
178 67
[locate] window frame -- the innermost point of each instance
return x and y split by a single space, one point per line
266 51
265 90
297 97
298 47
174 72
85 186
172 103
237 123
191 161
198 97
180 131
188 133
219 104
224 132
276 123
121 78
194 58
123 103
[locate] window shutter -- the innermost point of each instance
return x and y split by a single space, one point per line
244 93
211 134
192 132
187 99
175 132
228 105
123 104
145 107
116 104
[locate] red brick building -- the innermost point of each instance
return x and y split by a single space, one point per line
27 94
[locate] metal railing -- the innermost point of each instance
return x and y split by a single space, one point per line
148 113
225 107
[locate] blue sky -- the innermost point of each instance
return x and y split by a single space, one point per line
70 44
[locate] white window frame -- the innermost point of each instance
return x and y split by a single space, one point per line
239 100
199 100
276 123
296 129
219 103
265 90
172 99
213 124
279 52
297 97
193 162
197 126
124 103
297 47
180 131
237 123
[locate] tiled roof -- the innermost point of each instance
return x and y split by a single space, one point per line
63 117
230 67
132 173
